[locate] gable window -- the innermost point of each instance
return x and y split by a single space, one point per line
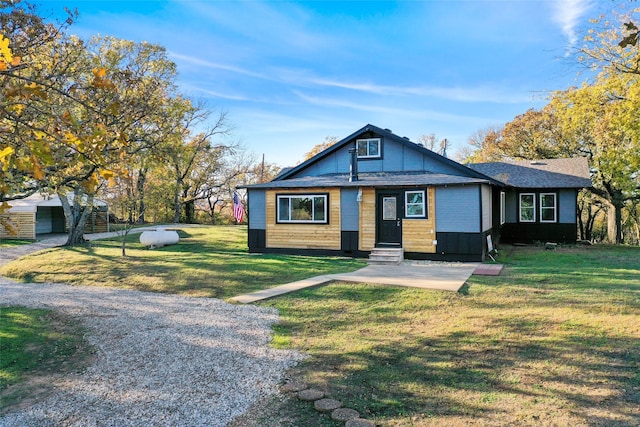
368 148
414 204
303 208
527 207
548 207
503 207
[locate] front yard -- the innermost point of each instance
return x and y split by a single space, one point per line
553 340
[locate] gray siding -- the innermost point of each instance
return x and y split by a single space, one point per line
257 210
567 206
487 208
396 156
458 209
349 209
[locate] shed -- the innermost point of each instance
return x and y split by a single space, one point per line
38 214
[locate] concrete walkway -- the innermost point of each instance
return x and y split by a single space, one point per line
446 276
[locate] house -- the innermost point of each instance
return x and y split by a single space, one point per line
376 189
38 214
538 201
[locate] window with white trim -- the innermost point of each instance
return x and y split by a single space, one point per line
548 207
527 207
503 207
415 204
302 208
368 148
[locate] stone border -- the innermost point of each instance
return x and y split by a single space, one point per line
349 416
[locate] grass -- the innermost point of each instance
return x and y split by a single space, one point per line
208 262
554 340
8 243
36 343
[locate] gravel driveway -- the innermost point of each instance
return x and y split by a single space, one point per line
161 360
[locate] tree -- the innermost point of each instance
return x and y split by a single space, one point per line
484 146
193 160
74 113
602 119
318 148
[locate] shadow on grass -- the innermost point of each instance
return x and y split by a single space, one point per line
509 346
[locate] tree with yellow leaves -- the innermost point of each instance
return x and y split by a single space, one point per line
74 113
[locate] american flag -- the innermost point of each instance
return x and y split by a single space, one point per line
238 209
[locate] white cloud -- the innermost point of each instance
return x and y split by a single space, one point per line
463 94
568 14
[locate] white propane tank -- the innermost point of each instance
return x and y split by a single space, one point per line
158 238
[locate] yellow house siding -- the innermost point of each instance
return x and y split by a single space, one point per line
23 224
418 234
304 236
367 220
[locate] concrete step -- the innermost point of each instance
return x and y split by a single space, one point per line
386 256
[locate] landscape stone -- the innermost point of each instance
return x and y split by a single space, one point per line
310 394
359 422
344 414
295 386
326 405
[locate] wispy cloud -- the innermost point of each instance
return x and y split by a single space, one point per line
186 59
568 14
411 113
463 94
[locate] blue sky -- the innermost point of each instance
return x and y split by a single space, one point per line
291 73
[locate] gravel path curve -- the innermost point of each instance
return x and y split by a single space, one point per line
161 360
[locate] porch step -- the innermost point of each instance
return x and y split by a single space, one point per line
386 256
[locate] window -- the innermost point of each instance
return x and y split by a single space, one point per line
368 148
414 204
548 207
303 208
503 207
527 207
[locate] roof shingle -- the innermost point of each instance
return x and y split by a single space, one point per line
549 173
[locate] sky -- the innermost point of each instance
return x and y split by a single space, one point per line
291 73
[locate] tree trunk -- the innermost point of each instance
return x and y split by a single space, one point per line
614 222
76 215
142 179
176 207
190 211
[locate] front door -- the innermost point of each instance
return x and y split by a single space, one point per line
389 218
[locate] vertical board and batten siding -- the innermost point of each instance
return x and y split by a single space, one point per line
396 156
44 220
487 208
457 209
257 209
22 223
567 206
349 209
304 236
418 235
367 220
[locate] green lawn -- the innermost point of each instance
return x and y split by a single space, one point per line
7 243
208 262
36 343
554 340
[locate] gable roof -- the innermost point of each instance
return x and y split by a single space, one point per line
549 173
387 134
